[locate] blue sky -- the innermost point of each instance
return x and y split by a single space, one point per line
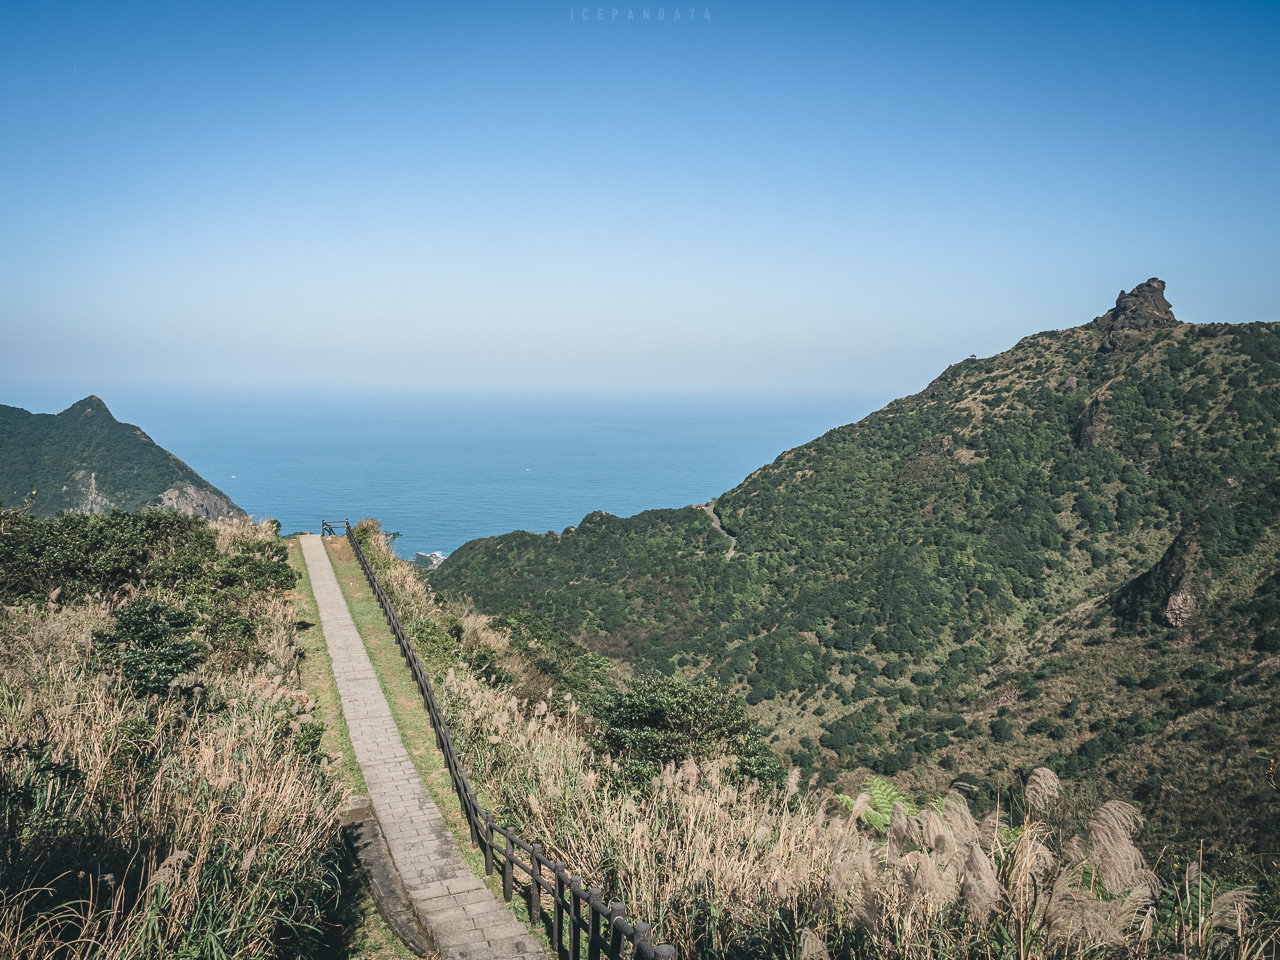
775 198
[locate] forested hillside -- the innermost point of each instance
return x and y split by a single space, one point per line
1065 554
84 460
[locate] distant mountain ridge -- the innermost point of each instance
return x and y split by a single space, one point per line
1066 554
84 460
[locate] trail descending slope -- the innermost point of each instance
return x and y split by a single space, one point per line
463 917
710 509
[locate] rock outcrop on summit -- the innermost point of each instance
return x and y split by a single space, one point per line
1142 307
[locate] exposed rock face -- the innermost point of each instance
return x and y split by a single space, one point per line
1181 606
209 504
201 503
1090 428
1174 591
1182 576
1142 307
92 500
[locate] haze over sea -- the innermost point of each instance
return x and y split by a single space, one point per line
445 469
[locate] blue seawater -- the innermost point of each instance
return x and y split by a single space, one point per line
444 469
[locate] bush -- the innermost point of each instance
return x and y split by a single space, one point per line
149 642
136 828
1001 730
661 720
78 555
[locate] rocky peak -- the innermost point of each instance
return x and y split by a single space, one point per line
89 405
1142 307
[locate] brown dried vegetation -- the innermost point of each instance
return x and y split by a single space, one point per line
725 869
197 824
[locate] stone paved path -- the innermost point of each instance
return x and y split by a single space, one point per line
463 916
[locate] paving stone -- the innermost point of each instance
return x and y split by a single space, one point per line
515 947
456 933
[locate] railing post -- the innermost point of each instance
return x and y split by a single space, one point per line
557 923
575 914
455 770
488 844
473 805
643 938
535 883
508 867
595 913
616 913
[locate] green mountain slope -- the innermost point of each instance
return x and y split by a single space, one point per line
1067 554
84 460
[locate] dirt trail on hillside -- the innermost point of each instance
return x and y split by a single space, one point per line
710 510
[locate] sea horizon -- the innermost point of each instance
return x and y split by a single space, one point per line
442 468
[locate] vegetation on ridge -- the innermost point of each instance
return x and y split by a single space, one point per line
1067 555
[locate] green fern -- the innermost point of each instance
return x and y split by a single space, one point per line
884 794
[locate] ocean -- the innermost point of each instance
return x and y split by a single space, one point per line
444 469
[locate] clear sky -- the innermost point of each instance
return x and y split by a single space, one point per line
749 196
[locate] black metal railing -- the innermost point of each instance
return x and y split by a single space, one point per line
579 913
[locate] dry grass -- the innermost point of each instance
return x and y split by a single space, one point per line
729 870
189 826
715 866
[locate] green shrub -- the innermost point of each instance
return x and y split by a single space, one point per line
150 644
660 720
1001 730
